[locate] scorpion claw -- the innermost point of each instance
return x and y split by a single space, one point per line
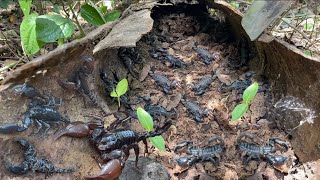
75 129
276 160
184 161
111 170
279 141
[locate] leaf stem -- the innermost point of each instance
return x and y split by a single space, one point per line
76 19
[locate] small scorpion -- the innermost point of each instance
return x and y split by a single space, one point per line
195 110
202 85
163 81
254 151
207 153
32 163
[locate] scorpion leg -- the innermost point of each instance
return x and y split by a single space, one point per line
39 126
47 126
283 143
145 146
182 144
251 157
216 138
215 161
136 151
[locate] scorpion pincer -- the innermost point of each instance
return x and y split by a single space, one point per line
207 153
254 151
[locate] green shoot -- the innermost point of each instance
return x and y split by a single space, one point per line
147 123
247 97
121 89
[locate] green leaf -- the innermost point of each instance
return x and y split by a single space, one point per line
307 52
158 142
145 119
28 34
122 87
113 94
112 16
5 3
308 24
52 27
57 9
239 111
234 4
103 9
25 6
250 92
91 15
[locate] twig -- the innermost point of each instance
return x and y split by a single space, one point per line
8 66
11 49
75 17
304 36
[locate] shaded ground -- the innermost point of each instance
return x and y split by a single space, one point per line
178 33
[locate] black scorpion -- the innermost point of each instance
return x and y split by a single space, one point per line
253 151
32 163
130 57
204 54
39 110
163 55
207 153
156 111
195 110
162 81
123 140
203 84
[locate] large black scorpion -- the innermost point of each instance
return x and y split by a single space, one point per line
208 153
113 144
254 151
39 110
32 163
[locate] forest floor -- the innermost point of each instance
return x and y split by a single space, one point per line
176 32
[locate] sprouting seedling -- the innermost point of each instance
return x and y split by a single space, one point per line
121 89
147 123
248 94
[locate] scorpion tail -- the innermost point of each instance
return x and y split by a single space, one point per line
10 129
66 170
20 169
160 130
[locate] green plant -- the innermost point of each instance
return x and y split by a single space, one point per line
248 94
5 3
121 89
147 123
98 16
36 30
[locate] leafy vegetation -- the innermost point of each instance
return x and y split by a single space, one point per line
121 89
147 123
248 94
